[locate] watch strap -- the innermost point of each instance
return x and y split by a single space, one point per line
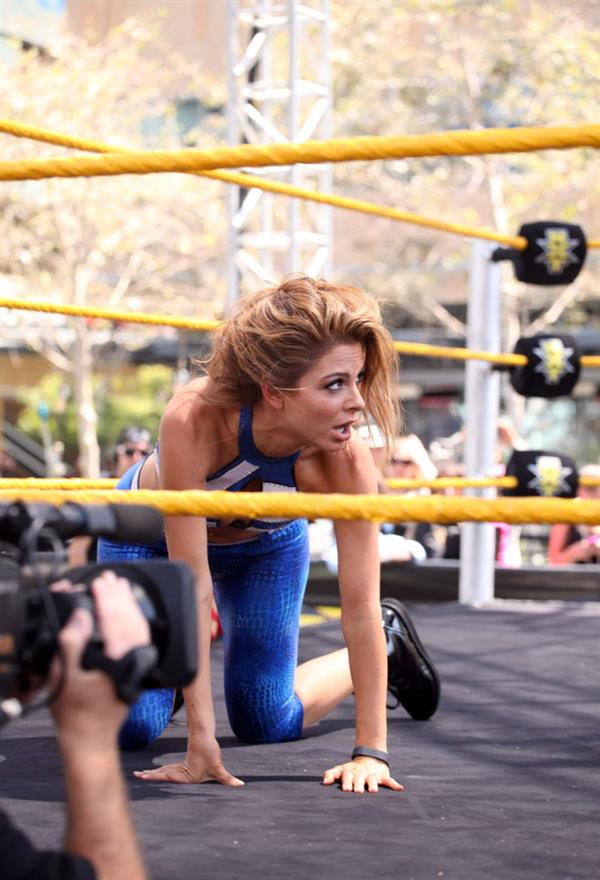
366 752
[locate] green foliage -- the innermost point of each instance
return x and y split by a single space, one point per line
136 398
130 397
54 394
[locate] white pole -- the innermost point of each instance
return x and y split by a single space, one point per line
482 402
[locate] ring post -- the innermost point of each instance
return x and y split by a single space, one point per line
482 401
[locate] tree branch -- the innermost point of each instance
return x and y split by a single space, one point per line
568 296
54 357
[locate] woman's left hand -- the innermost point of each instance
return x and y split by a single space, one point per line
360 773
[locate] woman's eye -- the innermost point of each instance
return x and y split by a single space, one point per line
338 384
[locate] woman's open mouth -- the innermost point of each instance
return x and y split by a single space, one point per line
343 431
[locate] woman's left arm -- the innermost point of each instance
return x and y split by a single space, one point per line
359 576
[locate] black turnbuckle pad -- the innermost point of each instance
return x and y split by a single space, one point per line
546 474
553 365
555 253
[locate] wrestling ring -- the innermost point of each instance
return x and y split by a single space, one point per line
500 784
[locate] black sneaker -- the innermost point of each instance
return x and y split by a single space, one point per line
412 678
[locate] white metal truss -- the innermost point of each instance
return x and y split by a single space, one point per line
279 92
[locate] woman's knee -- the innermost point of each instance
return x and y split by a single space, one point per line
266 724
147 719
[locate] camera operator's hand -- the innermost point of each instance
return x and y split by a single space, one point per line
88 715
86 705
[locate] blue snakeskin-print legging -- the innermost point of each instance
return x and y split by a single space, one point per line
259 589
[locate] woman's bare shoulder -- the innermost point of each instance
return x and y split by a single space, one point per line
190 424
188 412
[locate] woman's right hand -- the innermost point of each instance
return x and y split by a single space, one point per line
203 763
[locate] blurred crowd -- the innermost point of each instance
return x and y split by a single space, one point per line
412 543
408 543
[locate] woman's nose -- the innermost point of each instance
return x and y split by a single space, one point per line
357 402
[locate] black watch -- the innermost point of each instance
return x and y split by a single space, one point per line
366 752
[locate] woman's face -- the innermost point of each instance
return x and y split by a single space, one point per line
328 401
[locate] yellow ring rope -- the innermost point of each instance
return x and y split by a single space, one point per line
456 143
463 483
252 181
73 483
70 483
18 129
460 143
109 314
417 349
375 508
421 349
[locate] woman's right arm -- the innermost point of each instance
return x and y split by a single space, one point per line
181 468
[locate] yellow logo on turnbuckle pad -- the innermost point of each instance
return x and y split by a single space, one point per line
554 359
557 250
549 476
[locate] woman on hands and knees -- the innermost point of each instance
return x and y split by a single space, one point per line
292 371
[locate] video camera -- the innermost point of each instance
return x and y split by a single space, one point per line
32 556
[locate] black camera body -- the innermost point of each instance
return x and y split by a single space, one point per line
32 556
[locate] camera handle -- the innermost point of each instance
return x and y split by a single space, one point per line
128 673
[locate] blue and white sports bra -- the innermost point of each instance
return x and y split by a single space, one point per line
252 472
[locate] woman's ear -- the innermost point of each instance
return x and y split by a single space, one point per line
271 396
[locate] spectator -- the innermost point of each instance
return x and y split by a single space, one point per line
448 537
410 461
570 544
507 543
8 466
452 449
133 444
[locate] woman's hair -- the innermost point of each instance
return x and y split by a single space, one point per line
275 335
